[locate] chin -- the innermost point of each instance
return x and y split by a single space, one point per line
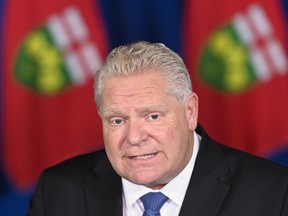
149 182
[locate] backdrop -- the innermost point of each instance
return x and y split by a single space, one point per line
236 53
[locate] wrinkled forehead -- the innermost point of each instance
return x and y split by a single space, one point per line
142 88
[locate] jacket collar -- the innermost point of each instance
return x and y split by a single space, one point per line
103 190
210 180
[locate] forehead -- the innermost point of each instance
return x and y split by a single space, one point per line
148 88
134 83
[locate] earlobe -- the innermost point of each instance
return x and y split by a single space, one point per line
192 110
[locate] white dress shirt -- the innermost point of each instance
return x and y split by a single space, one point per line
175 190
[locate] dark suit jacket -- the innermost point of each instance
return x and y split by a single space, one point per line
225 182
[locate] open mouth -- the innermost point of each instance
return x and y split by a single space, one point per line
142 157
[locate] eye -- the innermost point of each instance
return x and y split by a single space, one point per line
154 116
116 121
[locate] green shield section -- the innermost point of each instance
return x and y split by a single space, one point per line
39 64
224 63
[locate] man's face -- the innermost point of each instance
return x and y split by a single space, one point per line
148 134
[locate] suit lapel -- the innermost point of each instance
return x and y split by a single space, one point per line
209 183
103 191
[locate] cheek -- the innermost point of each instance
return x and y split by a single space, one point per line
113 139
110 141
176 136
173 128
169 134
112 149
165 135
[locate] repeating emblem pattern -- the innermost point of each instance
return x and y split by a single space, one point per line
243 52
58 54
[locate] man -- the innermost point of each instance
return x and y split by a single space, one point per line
153 144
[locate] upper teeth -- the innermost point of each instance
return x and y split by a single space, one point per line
144 156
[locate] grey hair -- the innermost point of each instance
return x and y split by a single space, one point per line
144 57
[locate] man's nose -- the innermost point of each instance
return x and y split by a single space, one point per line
136 132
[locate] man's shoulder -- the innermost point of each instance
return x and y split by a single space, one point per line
82 159
253 165
239 161
79 166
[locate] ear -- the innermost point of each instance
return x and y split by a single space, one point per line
99 113
192 111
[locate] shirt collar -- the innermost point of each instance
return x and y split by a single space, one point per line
175 190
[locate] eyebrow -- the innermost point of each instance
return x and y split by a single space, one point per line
114 111
109 112
152 109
